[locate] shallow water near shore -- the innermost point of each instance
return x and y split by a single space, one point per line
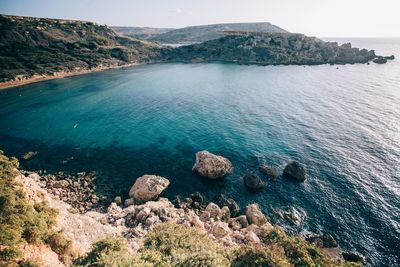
342 122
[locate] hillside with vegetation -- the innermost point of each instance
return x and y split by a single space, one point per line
203 33
37 46
33 49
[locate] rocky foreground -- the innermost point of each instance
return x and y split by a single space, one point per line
147 216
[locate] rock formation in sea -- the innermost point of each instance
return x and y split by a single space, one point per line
253 181
295 171
212 166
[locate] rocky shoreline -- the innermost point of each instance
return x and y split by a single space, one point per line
133 218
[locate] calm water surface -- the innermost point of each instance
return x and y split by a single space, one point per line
342 122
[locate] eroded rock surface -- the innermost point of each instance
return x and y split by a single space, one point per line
212 166
148 187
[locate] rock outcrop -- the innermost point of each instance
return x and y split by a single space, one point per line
254 215
294 170
148 187
380 60
253 181
212 166
271 49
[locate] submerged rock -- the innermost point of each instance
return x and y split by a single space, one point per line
270 171
296 171
29 155
212 166
253 181
148 187
254 215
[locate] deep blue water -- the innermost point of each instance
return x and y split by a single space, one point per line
342 122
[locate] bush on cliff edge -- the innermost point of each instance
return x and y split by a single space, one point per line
20 221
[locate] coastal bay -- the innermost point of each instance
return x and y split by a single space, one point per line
154 118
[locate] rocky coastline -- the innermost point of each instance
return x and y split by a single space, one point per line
86 218
65 48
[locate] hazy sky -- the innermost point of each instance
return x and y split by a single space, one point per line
321 18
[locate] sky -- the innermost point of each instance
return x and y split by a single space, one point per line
322 18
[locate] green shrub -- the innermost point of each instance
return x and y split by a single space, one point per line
19 220
29 263
297 250
9 253
178 245
62 246
109 252
258 256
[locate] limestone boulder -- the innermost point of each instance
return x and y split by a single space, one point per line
148 187
254 215
212 166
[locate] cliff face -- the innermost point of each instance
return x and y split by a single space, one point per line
36 46
271 49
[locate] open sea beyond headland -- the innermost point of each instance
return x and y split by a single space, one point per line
341 122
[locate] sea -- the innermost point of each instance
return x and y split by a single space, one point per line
342 122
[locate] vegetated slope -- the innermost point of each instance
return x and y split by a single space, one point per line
271 49
30 46
140 32
197 34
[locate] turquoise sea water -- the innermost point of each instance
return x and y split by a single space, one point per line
342 122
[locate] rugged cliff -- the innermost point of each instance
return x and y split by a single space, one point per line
271 49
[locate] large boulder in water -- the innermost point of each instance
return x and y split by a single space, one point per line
253 181
212 166
148 187
295 171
